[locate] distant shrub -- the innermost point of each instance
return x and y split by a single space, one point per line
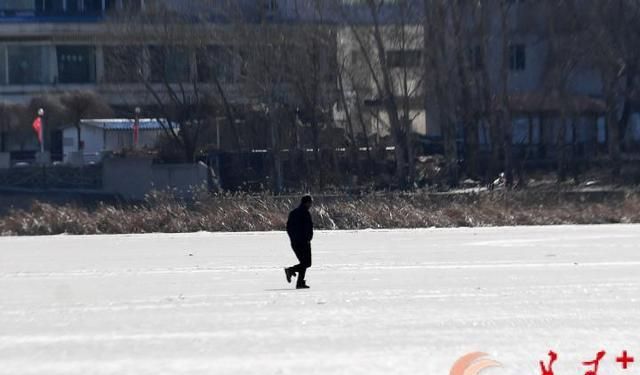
237 212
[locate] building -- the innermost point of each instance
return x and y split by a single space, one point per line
49 46
109 135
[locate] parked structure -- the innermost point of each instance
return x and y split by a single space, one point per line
110 135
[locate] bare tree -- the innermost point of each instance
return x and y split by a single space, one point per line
390 46
162 51
81 105
10 115
611 35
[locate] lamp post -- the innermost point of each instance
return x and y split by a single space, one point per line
41 116
136 127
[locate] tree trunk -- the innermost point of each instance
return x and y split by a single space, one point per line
507 124
353 141
625 118
391 107
489 105
435 34
613 139
365 135
275 150
465 102
315 130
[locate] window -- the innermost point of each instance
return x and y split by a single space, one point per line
169 64
132 4
521 131
92 6
243 57
601 130
569 132
404 58
76 64
49 7
3 66
122 64
12 7
475 58
364 2
526 131
536 130
27 65
635 127
73 6
270 5
110 5
215 62
517 57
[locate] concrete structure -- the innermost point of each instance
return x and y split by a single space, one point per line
134 178
43 158
5 160
108 135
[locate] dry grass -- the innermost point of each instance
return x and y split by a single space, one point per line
160 213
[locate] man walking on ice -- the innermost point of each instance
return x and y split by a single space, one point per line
300 231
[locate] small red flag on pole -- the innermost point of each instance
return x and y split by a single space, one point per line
37 127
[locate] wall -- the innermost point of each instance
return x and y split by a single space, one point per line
5 160
182 178
90 135
130 178
116 140
133 178
97 140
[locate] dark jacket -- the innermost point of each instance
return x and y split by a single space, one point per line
300 226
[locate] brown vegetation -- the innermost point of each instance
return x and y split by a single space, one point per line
160 213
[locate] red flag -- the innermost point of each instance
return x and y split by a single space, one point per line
37 127
136 131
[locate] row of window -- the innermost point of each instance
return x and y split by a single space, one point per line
128 64
20 65
9 8
23 64
534 131
77 64
12 8
413 58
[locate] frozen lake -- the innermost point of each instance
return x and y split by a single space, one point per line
382 302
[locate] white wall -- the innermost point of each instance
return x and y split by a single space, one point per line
97 140
92 137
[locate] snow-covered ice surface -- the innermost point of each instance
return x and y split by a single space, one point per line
382 302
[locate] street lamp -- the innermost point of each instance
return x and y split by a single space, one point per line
136 127
41 118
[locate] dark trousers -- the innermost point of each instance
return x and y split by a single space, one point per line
303 253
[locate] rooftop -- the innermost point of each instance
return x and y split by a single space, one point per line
125 124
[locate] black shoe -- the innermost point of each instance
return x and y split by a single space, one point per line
302 285
289 274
